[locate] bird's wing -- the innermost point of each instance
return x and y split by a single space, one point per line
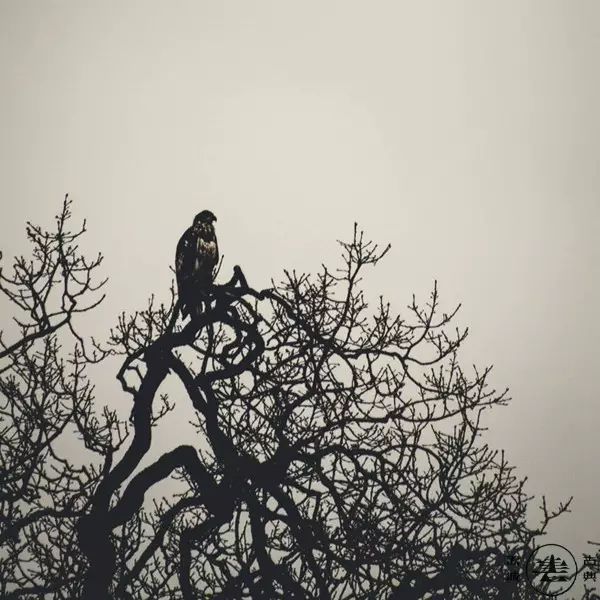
184 255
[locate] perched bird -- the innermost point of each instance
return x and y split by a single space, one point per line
196 257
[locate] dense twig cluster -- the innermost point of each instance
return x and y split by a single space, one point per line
338 451
46 398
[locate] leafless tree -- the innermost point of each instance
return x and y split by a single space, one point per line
338 453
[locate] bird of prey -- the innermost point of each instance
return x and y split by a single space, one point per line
196 257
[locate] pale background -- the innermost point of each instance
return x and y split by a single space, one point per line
467 134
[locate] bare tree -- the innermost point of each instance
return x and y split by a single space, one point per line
338 449
44 395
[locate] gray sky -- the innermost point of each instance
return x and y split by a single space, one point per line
467 134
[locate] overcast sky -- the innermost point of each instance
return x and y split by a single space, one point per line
467 134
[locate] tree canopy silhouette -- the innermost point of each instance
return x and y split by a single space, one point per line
338 450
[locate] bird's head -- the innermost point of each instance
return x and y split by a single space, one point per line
206 216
